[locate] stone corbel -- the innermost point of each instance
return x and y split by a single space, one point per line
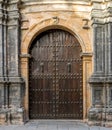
86 24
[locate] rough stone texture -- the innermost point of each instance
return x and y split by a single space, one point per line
22 20
11 84
72 16
101 78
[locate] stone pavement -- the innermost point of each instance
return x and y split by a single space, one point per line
53 125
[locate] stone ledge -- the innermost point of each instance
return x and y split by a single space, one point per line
25 56
86 54
11 80
98 78
33 2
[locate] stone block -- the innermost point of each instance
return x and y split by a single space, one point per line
2 118
17 117
107 115
5 116
95 114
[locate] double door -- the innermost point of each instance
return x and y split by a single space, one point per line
55 77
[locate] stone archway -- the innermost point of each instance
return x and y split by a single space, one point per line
86 57
50 24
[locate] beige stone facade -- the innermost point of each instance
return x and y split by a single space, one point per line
89 21
73 16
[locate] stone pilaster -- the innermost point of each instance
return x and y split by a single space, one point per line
1 38
16 86
101 80
13 86
3 64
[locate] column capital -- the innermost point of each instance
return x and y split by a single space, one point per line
13 9
86 54
25 56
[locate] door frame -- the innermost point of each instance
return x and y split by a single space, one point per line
75 55
86 59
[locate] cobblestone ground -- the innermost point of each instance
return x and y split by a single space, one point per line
53 125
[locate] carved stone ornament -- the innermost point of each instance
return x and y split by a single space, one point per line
55 20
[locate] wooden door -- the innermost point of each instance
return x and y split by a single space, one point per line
55 77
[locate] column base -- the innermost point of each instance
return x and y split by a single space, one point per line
100 117
12 117
12 91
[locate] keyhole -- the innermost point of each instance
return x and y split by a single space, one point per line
42 67
69 67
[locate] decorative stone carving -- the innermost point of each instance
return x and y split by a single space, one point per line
55 20
86 26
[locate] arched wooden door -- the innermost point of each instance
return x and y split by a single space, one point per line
55 77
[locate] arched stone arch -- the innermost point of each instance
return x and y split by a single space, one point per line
76 30
50 24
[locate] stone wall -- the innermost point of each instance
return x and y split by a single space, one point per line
11 83
73 16
101 79
89 20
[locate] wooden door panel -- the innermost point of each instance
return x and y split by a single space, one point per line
55 81
42 98
70 99
41 90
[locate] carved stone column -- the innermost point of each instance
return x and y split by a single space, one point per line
1 55
12 85
16 84
3 64
101 80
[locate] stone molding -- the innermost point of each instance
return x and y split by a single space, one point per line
101 12
39 2
25 56
48 24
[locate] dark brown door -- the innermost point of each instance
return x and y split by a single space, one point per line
55 81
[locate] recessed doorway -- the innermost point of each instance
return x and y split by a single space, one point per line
55 76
